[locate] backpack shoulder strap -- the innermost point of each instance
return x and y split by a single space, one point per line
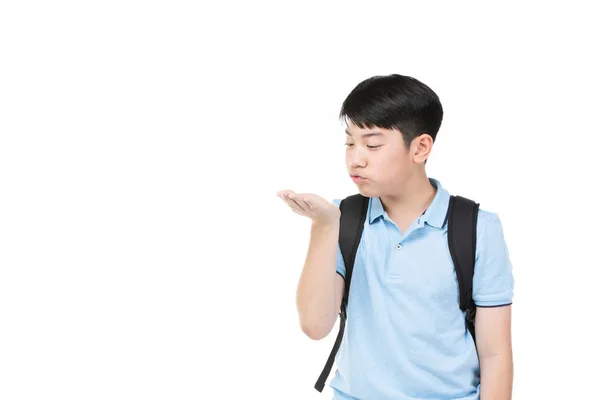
352 221
353 211
462 240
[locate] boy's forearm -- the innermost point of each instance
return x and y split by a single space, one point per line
496 377
316 292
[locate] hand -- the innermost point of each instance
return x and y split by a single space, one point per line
312 206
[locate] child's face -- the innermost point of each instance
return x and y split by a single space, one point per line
381 160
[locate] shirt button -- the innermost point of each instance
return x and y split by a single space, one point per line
398 247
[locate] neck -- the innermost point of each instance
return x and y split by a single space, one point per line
417 194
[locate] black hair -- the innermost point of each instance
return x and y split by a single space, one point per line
394 102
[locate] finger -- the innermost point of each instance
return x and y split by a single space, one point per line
310 204
294 206
296 200
285 195
299 199
314 203
302 203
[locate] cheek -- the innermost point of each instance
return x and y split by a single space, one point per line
394 166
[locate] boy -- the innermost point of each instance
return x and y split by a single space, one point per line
405 335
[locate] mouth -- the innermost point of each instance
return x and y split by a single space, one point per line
358 178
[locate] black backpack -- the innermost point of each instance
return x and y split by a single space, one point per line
462 232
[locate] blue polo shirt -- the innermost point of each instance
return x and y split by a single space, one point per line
405 337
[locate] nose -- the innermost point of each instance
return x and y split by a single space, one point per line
356 157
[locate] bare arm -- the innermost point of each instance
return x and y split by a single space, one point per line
493 333
320 288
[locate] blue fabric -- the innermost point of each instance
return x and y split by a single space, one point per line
405 336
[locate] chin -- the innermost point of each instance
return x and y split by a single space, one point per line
367 192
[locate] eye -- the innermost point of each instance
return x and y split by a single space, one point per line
349 144
374 147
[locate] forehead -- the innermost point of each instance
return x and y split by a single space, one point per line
357 132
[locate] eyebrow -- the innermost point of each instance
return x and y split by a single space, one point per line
365 135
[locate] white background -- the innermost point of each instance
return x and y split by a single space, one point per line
143 251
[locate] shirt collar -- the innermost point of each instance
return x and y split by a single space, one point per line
435 215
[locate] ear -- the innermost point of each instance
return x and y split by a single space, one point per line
421 148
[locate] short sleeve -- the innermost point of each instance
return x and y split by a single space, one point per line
493 280
340 266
